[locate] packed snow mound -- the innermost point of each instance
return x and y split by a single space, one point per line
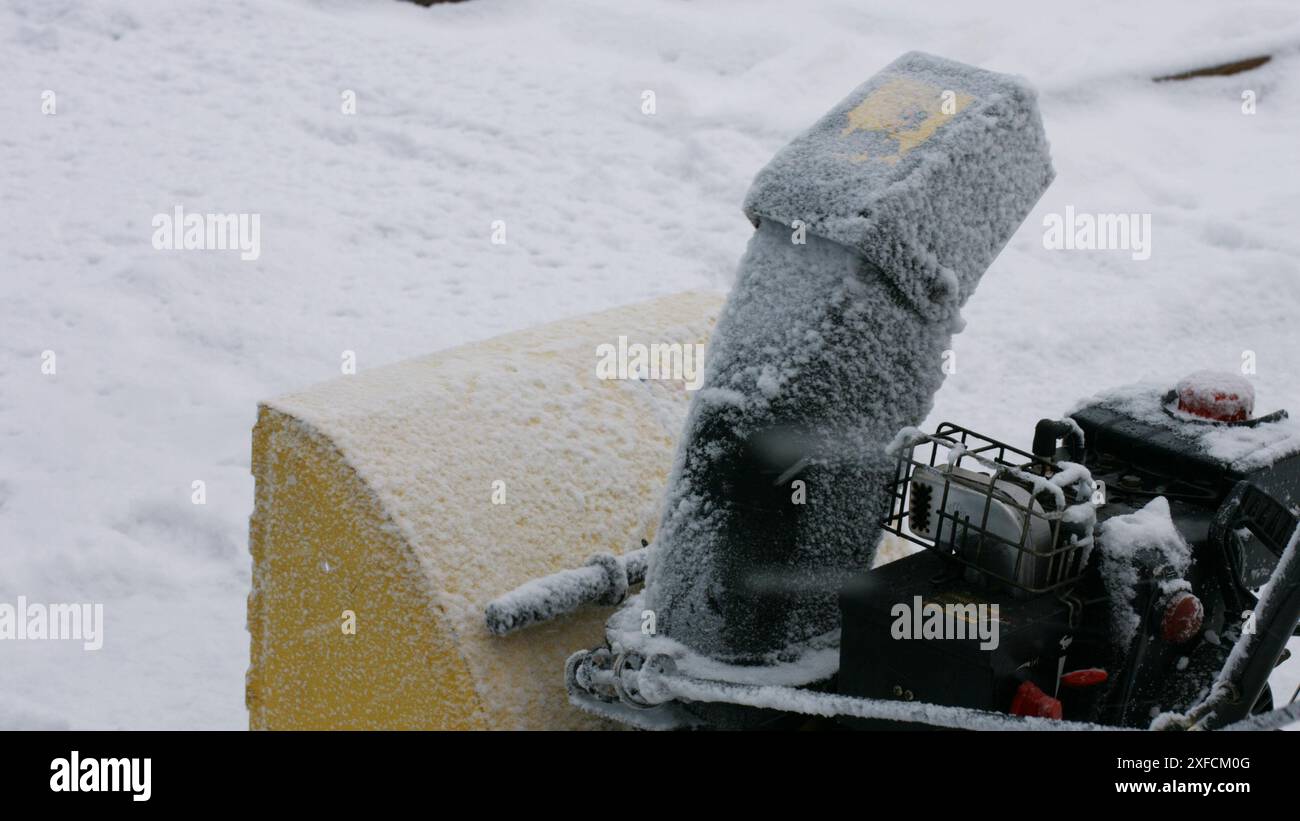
1237 447
411 495
1121 540
926 169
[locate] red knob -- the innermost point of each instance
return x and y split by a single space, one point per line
1032 701
1183 618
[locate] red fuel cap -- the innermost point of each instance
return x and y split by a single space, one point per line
1220 396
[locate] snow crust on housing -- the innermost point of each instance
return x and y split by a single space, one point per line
582 460
1121 541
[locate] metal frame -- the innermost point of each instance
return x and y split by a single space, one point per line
1065 562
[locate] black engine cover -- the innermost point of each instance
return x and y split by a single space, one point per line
1037 639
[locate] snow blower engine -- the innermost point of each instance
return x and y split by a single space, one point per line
1106 576
1109 576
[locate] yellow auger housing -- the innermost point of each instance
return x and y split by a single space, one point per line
393 504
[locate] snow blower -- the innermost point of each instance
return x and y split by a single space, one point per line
1108 576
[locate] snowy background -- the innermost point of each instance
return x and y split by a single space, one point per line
376 239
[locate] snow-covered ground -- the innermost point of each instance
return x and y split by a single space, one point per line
376 238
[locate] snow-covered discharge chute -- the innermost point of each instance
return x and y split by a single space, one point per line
872 230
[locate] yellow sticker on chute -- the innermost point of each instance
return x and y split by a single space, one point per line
906 111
